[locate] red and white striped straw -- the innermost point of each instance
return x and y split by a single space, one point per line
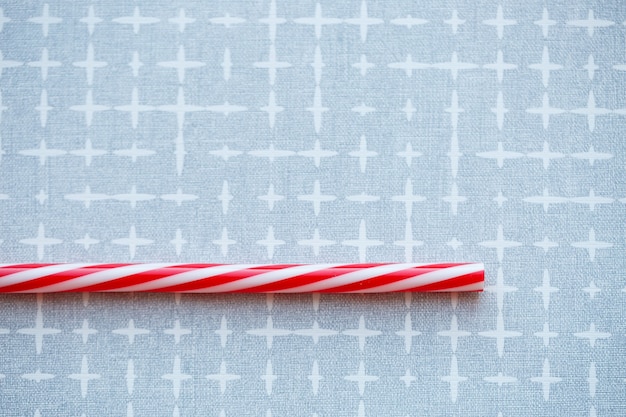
218 278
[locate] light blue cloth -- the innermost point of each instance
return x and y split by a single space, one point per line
237 132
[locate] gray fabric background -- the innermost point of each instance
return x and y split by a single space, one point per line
546 338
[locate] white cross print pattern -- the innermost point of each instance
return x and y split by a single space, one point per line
316 132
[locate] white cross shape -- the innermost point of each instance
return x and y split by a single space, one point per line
89 108
546 155
591 111
90 20
84 376
39 331
546 334
135 64
133 197
361 333
500 155
591 23
362 243
181 20
408 243
315 332
269 332
409 109
500 289
408 154
361 378
592 335
407 378
223 332
272 65
454 379
177 377
45 20
500 110
592 156
86 241
132 241
408 333
546 289
454 22
179 197
500 66
272 109
225 153
454 110
545 199
317 153
592 290
178 242
317 109
318 21
271 197
181 64
180 108
500 244
408 198
41 241
363 153
500 22
591 67
223 377
363 65
592 200
224 242
88 152
136 20
316 242
454 333
134 108
546 244
454 199
86 197
454 66
545 111
44 64
225 197
37 376
90 64
364 21
592 245
85 331
317 198
500 199
500 334
545 22
270 242
272 21
545 66
546 379
131 331
408 66
42 152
